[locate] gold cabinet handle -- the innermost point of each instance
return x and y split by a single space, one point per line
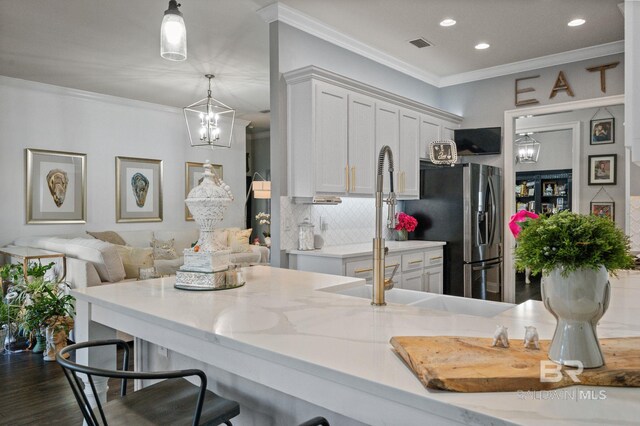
436 258
360 271
346 178
353 178
392 266
413 262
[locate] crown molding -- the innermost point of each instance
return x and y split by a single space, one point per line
535 63
280 12
290 16
83 94
319 74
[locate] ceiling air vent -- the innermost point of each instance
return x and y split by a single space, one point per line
420 43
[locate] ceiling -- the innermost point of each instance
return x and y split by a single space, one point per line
112 47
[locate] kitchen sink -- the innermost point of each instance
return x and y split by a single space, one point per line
432 301
463 305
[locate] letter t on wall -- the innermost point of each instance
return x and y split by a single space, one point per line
603 69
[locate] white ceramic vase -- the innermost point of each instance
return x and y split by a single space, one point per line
578 302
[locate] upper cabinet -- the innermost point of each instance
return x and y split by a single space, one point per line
336 127
330 123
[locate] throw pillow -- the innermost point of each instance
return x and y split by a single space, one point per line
239 240
134 258
108 236
164 249
220 239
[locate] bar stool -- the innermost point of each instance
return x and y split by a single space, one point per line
173 401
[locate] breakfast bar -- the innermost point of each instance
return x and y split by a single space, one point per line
288 346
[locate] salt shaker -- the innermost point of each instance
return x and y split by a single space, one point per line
305 235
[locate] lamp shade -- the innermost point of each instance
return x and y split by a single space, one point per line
527 149
173 34
262 189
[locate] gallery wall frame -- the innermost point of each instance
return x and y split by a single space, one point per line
603 209
192 176
138 190
56 187
603 169
602 131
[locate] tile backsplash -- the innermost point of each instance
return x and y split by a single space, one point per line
352 221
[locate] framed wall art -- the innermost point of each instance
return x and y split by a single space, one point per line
602 169
192 178
56 188
138 190
603 209
602 131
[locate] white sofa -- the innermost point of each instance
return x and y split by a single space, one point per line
92 262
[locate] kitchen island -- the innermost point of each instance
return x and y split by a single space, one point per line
287 351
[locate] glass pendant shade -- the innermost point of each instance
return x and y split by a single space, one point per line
173 34
527 150
209 122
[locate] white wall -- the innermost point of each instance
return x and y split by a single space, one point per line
34 115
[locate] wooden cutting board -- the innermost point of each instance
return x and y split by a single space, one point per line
471 364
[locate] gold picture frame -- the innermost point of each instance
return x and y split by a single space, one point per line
192 174
138 190
56 187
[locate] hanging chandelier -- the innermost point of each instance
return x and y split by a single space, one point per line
173 34
527 149
207 116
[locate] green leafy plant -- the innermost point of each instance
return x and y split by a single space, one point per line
11 272
571 241
43 301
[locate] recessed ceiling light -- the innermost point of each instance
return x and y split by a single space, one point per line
447 22
482 46
576 22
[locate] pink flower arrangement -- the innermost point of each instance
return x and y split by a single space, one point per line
406 222
521 216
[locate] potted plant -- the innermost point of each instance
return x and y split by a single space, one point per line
265 219
405 224
47 310
575 253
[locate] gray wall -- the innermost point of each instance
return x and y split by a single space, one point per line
291 49
553 144
258 146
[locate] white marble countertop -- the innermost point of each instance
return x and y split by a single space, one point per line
280 315
364 249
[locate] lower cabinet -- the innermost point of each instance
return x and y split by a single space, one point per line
418 270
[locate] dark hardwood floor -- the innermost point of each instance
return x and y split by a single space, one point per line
525 291
34 391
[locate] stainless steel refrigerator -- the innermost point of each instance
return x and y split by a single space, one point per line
462 205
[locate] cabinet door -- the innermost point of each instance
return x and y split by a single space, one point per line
330 148
409 162
447 131
429 132
413 281
388 133
362 155
433 280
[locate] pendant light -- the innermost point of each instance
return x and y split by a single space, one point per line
173 34
527 149
208 116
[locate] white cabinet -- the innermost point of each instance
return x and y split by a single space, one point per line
361 142
336 127
387 133
434 129
418 268
408 157
330 142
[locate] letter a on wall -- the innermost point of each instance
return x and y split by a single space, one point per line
561 85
